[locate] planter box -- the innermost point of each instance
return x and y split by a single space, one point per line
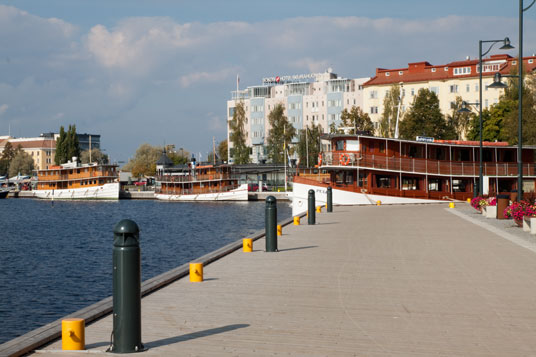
490 211
529 224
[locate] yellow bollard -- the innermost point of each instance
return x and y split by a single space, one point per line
247 245
378 203
196 272
468 200
318 209
72 334
279 230
296 220
452 205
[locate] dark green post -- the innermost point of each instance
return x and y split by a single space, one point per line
126 288
330 199
271 224
311 214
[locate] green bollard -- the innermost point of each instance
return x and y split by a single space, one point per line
330 199
271 224
126 288
311 214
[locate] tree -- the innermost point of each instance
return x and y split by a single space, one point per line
356 119
390 112
21 163
7 155
180 157
424 118
511 119
67 145
493 128
240 151
280 134
221 150
96 156
459 121
309 145
61 151
144 162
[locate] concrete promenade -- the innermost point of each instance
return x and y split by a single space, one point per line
412 280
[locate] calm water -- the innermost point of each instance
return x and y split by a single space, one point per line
56 257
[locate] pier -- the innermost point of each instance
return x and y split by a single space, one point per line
408 280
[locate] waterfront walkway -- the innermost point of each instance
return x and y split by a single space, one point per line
413 280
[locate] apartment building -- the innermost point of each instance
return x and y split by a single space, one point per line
42 150
317 98
448 81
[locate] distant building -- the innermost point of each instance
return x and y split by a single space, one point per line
447 81
317 98
42 150
85 140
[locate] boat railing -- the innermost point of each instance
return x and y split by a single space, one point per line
177 190
189 178
423 166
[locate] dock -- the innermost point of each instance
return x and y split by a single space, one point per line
407 280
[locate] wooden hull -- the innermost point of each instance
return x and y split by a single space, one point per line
343 197
238 194
108 191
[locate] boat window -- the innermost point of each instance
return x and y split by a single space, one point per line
413 151
363 180
382 146
463 155
439 154
383 181
434 184
410 183
507 156
458 185
487 155
340 145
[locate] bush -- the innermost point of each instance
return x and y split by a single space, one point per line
519 209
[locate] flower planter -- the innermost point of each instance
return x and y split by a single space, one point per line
490 211
519 222
529 224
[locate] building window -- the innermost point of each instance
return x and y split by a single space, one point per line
373 110
476 87
454 88
435 90
373 94
468 88
486 103
462 70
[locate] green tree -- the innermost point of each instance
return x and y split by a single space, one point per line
180 157
7 155
240 151
280 134
390 112
221 150
493 128
424 118
309 145
73 145
61 149
459 121
21 163
356 119
511 119
144 161
96 156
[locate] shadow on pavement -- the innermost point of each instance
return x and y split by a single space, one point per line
194 335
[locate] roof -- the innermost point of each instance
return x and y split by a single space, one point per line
424 71
31 144
164 160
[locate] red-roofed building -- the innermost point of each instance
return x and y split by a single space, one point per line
460 78
42 150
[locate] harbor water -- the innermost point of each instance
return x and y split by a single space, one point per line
56 257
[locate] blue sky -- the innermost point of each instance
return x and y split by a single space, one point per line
161 71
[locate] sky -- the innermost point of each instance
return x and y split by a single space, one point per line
161 71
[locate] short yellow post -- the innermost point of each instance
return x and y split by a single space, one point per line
247 245
279 230
196 272
318 209
452 205
378 203
296 220
468 200
73 335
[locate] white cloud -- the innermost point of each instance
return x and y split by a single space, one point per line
144 79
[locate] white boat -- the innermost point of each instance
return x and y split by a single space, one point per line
197 182
73 181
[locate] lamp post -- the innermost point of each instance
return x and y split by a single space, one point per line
506 46
498 84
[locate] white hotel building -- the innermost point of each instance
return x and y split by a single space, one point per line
311 98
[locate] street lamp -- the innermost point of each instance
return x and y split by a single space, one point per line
506 46
497 84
